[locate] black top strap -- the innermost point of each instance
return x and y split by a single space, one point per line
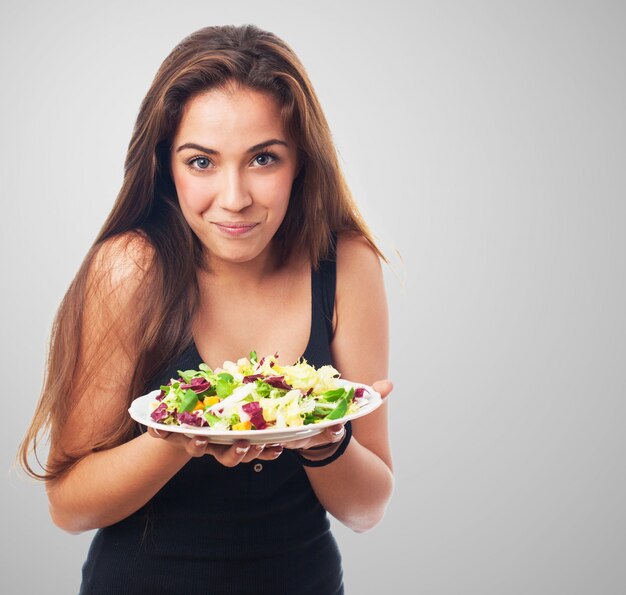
323 282
328 284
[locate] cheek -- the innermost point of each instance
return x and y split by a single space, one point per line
274 190
193 193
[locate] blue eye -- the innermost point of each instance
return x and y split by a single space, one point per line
265 159
199 163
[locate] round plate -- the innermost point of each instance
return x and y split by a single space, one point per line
141 408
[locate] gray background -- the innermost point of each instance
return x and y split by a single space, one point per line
485 141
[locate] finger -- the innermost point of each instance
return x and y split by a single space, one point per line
334 434
330 435
197 447
158 433
254 452
234 454
270 453
215 450
383 387
317 440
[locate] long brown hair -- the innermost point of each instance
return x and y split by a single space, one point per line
320 206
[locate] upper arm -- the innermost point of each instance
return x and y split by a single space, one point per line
109 315
360 345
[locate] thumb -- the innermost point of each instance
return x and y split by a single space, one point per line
383 387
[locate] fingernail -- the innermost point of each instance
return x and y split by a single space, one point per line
338 432
259 447
156 431
201 442
242 450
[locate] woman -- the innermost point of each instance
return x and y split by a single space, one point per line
233 231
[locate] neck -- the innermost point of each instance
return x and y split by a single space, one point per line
252 272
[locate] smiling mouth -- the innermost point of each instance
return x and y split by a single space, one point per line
235 228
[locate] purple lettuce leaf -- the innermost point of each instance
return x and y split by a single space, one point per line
191 419
255 411
277 382
252 378
198 385
160 413
359 392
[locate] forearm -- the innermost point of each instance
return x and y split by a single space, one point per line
107 486
355 488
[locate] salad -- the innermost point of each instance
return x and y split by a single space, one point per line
256 394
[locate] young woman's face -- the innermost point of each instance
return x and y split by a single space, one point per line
233 166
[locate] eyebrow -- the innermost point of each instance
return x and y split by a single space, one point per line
253 149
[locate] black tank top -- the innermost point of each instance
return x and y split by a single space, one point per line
254 529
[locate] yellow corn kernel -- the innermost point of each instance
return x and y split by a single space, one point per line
242 425
208 401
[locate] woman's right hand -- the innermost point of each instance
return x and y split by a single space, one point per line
240 451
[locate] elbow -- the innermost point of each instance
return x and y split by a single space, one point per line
364 523
372 513
366 519
66 522
64 515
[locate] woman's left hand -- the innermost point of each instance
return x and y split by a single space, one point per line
335 433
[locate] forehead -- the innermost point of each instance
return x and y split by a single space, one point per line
228 118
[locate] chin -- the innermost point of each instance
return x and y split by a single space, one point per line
237 254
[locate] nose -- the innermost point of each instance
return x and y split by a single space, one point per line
233 194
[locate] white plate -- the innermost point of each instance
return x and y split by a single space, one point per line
141 409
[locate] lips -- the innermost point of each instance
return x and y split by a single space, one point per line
235 228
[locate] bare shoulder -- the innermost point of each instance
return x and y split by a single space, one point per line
127 252
357 261
360 316
122 262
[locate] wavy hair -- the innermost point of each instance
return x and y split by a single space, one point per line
320 206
